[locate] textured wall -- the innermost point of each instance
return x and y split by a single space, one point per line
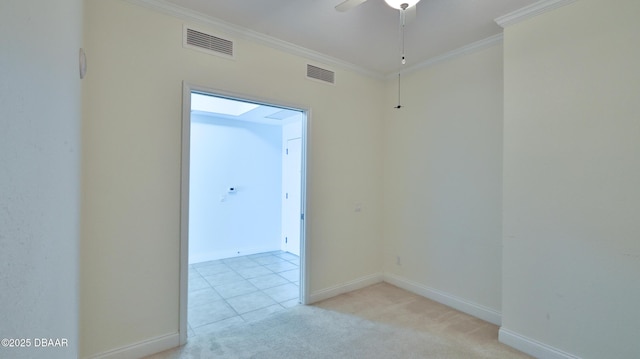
40 104
571 173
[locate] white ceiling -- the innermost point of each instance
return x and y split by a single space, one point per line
367 35
211 106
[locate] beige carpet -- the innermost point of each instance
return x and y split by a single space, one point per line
380 321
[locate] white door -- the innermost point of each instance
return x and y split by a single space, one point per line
291 183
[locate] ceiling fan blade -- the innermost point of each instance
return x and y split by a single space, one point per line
348 5
410 14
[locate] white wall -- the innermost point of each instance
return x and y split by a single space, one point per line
246 156
40 100
571 173
131 166
442 182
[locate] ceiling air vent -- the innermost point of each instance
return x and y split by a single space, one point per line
198 40
321 74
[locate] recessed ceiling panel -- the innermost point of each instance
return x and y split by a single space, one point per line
223 106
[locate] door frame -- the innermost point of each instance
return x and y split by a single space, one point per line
187 89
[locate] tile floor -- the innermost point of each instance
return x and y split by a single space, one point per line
241 289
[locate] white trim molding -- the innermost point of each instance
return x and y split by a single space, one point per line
350 286
467 49
142 349
479 311
245 33
277 44
530 346
530 11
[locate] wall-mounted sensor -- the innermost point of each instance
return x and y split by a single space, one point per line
233 189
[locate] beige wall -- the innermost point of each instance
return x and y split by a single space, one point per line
571 173
40 112
442 182
553 252
131 166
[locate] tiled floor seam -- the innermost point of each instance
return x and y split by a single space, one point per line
237 268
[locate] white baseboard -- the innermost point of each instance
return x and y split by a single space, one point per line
345 287
531 347
463 305
214 255
142 349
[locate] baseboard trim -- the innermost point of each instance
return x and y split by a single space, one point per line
142 349
531 347
463 305
345 287
215 255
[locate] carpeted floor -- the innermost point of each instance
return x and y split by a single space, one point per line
380 321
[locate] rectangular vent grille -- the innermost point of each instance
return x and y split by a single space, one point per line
321 74
209 43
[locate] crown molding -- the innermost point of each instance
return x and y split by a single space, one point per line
530 11
272 42
467 49
242 32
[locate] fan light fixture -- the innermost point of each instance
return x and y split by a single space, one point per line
401 4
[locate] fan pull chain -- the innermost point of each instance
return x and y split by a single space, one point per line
399 105
402 22
403 59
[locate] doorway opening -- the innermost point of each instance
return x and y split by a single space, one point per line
243 200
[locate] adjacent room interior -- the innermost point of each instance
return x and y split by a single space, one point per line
244 209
